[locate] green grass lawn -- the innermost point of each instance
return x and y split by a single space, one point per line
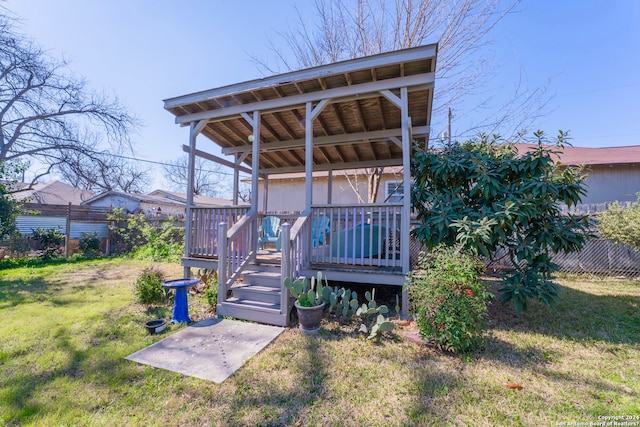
65 330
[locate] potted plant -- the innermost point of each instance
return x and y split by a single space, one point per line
308 302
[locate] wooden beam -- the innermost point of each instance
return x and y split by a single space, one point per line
336 166
384 59
392 97
284 125
339 153
360 116
360 91
381 112
216 159
324 141
324 154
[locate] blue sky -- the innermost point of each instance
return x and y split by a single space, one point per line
586 53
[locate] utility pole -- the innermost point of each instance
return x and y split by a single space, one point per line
449 127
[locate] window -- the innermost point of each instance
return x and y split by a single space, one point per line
393 192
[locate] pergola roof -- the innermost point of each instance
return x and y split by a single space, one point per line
359 127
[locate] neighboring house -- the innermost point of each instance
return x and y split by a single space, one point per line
159 202
52 193
613 173
198 199
137 203
56 205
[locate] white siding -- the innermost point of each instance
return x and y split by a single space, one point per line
611 183
127 203
27 223
78 227
288 194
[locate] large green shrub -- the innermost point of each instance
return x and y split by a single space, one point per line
148 287
89 244
448 301
49 242
621 224
146 239
494 201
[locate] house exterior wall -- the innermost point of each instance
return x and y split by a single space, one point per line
151 209
132 205
128 204
612 183
288 195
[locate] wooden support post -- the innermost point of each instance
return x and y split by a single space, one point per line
285 237
330 187
265 194
194 130
308 160
236 181
222 262
406 200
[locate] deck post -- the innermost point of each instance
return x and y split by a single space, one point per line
222 262
194 130
236 180
265 191
308 159
406 200
285 267
329 186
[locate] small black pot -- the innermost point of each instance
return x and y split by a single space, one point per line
156 326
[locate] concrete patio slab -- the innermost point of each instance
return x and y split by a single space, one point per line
210 350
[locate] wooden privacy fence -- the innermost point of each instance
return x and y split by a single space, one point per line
70 220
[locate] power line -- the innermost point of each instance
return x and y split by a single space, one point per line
168 164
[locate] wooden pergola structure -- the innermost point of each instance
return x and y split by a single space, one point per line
362 113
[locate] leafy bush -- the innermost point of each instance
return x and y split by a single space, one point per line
49 242
621 224
89 244
448 300
10 208
144 239
210 279
492 200
148 287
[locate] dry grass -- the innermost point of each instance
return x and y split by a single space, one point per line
64 333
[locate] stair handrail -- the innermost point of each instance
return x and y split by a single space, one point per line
292 260
296 239
235 252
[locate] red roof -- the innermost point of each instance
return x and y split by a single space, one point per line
593 156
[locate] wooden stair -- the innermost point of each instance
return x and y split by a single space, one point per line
257 297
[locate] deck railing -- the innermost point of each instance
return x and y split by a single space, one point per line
237 249
204 228
357 235
293 244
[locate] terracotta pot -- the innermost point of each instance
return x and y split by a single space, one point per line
309 318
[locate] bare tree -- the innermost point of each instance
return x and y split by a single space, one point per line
104 171
208 178
244 192
348 29
49 117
